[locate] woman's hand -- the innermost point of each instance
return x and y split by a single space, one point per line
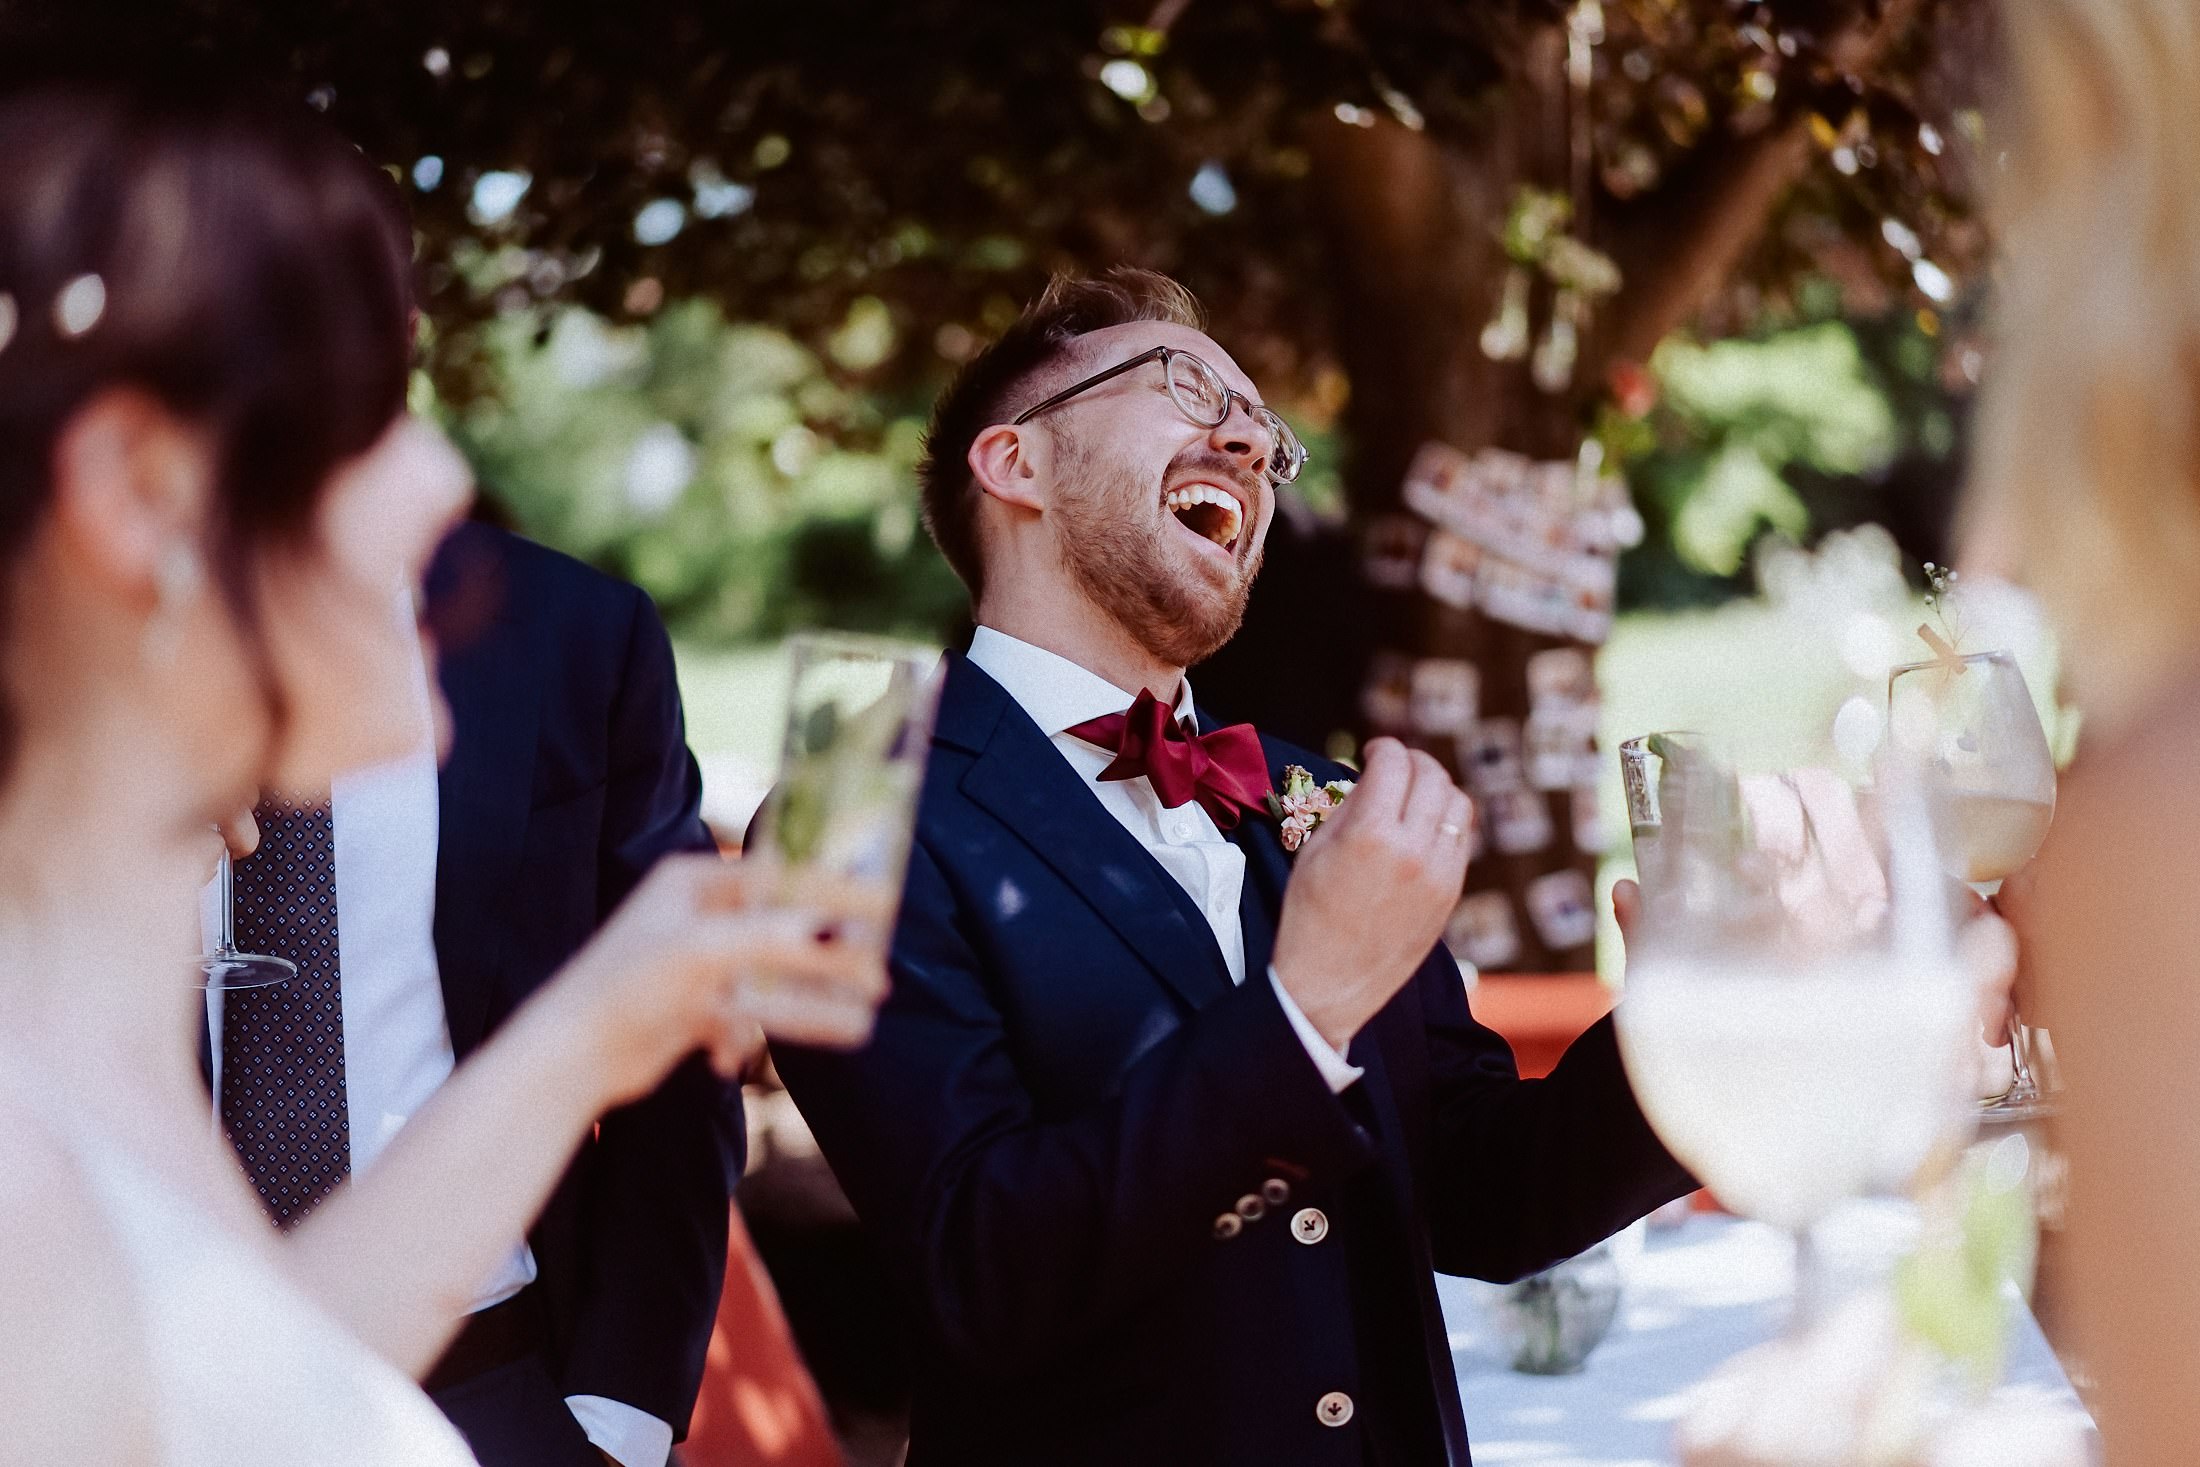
705 950
240 833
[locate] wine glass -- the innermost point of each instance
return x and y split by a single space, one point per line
1795 1016
226 968
1970 727
858 730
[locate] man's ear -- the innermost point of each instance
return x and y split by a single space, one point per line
1010 465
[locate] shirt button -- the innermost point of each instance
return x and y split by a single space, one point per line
1276 1191
1310 1226
1334 1409
1228 1226
1250 1207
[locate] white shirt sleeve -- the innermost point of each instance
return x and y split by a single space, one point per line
1340 1072
628 1434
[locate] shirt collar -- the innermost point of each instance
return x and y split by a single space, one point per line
1057 693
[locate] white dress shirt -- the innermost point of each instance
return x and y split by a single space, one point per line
1185 841
397 1039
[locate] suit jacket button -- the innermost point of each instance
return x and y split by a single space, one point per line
1334 1409
1250 1207
1229 1225
1310 1226
1276 1190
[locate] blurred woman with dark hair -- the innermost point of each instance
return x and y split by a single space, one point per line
210 497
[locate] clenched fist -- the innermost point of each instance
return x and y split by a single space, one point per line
1374 886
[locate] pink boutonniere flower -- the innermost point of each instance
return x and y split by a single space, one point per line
1303 805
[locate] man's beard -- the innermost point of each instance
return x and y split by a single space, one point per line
1128 568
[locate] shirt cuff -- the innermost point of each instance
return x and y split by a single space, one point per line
1339 1072
628 1434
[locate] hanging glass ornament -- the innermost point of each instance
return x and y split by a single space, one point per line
1505 338
1553 367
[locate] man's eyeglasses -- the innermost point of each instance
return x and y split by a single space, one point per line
1202 396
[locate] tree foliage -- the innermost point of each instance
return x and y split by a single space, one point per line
1458 222
804 164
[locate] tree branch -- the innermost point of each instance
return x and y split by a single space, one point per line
1680 243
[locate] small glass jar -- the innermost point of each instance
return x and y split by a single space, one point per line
1549 1322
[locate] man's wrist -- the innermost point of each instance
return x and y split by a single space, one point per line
1328 1055
1336 1028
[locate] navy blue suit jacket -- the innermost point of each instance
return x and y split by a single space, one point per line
569 776
1066 1097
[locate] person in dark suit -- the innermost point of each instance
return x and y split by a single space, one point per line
1165 1126
448 899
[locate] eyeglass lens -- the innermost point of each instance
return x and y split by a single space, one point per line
1200 392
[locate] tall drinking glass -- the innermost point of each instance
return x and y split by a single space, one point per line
225 968
859 726
1688 773
1969 726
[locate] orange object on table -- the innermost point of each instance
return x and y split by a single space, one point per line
758 1407
1539 1014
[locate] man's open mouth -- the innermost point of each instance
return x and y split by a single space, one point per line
1210 513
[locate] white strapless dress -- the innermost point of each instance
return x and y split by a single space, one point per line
244 1369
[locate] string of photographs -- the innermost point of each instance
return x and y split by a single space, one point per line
1534 545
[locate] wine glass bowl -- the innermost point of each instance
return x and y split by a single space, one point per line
1795 1020
1969 725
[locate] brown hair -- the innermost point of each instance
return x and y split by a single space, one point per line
249 269
998 383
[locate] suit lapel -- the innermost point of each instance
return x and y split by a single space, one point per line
1021 779
486 785
1267 875
1267 871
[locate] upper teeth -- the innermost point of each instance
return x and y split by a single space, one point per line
1191 494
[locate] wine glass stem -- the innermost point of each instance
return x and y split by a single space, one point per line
1810 1301
227 879
2021 1086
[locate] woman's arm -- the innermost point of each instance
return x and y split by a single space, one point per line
398 1255
74 1378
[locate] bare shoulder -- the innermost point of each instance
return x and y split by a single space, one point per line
2128 811
73 1368
2107 914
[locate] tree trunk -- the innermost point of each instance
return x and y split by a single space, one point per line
1420 266
1415 232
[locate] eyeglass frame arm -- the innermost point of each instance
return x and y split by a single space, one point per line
1151 354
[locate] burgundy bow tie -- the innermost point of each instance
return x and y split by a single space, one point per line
1225 770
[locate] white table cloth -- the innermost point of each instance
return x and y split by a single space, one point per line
1694 1296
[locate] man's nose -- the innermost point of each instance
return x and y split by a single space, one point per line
1241 437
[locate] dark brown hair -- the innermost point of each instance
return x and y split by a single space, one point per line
252 272
996 384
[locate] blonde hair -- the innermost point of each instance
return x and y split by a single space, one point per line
2087 479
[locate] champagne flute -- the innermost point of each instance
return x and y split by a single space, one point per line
858 731
1970 726
226 968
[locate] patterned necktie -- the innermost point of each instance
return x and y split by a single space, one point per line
283 1097
1225 770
